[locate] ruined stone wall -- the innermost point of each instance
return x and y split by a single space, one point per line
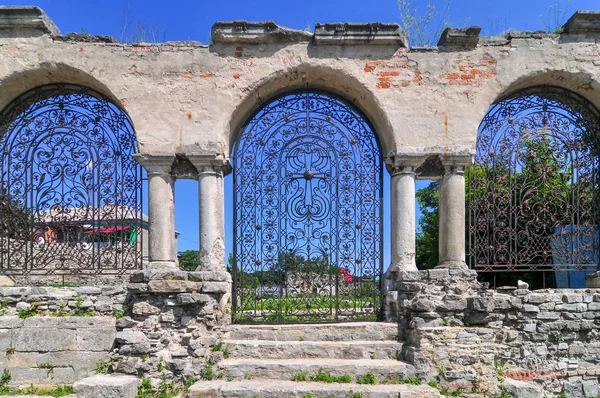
56 335
161 325
174 319
463 334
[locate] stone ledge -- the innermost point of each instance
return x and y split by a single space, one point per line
372 33
583 23
178 275
25 21
244 32
168 286
460 39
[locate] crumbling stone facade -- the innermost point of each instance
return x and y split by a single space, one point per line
467 335
188 103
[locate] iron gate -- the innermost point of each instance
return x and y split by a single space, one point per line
533 191
308 187
71 192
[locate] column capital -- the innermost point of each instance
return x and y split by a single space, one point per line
210 163
398 162
159 163
455 164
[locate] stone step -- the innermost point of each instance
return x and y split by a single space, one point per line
285 369
371 331
268 349
291 389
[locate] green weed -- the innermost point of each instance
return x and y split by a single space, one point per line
369 378
28 313
301 376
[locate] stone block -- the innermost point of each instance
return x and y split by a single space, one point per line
18 291
439 274
573 388
595 306
172 286
25 376
96 339
209 276
572 298
88 290
44 339
6 338
70 322
193 298
215 287
107 386
112 290
531 308
548 316
82 362
422 305
590 388
131 337
484 304
521 389
452 302
408 276
6 281
133 342
145 308
538 298
11 322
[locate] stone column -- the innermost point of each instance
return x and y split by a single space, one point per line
403 218
162 245
452 212
211 170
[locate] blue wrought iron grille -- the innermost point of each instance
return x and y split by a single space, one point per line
308 228
71 191
533 190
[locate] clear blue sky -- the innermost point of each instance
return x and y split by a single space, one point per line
192 20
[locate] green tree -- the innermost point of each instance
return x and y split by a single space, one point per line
15 220
541 189
189 260
427 239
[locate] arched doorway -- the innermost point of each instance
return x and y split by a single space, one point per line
533 190
71 192
307 175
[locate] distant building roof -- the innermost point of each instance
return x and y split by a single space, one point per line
90 214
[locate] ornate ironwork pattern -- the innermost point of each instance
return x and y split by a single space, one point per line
71 193
307 182
533 190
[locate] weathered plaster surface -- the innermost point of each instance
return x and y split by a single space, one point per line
187 98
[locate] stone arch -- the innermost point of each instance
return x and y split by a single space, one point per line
69 183
18 83
320 78
533 190
582 83
313 225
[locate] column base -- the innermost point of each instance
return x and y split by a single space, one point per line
453 265
162 265
409 266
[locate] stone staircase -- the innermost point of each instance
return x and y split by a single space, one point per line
268 361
